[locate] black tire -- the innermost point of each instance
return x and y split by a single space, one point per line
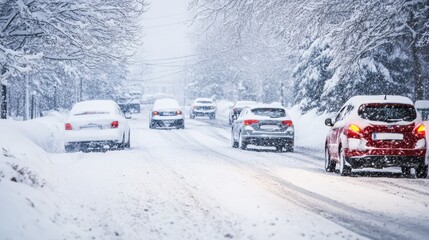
344 169
212 117
406 171
422 171
289 148
329 164
151 125
128 145
234 143
69 148
241 143
121 145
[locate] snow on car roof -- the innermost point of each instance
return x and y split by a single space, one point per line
266 105
365 99
204 100
105 106
166 103
244 103
422 104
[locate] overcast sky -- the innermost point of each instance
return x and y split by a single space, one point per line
165 36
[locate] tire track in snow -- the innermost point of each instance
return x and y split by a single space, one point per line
373 225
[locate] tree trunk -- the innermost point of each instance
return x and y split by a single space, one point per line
417 74
3 102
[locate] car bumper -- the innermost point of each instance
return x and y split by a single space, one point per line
268 140
385 161
170 123
103 135
76 146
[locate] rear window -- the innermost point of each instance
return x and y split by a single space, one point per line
388 112
269 112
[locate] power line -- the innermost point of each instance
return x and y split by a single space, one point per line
171 74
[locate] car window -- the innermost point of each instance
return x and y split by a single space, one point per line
269 112
387 112
340 114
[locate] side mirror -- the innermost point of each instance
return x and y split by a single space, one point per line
128 115
328 122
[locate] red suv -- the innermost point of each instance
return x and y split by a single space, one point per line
377 132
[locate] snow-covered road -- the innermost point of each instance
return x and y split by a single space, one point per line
190 184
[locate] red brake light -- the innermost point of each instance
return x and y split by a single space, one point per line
155 113
421 131
249 122
287 122
68 126
354 131
179 112
115 124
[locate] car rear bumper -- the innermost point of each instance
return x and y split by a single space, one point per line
269 140
385 161
104 145
171 123
203 113
102 135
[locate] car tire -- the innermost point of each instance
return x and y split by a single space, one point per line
213 117
344 169
128 145
241 144
151 126
69 148
121 145
289 148
406 171
422 171
234 144
329 164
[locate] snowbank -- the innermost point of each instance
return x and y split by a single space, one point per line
27 210
310 129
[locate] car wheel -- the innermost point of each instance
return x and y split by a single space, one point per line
121 145
151 126
344 169
406 171
422 171
241 144
128 145
329 164
212 117
234 144
289 148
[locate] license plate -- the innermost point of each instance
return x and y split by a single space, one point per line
91 127
387 136
168 122
169 114
270 127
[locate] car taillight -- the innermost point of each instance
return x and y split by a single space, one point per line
179 112
115 124
287 122
353 131
249 122
421 131
68 126
155 113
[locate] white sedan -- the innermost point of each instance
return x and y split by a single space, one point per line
96 124
166 113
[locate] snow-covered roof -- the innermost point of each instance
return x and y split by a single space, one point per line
244 103
166 103
203 100
265 105
365 99
105 106
422 104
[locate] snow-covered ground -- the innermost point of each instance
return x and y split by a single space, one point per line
190 184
